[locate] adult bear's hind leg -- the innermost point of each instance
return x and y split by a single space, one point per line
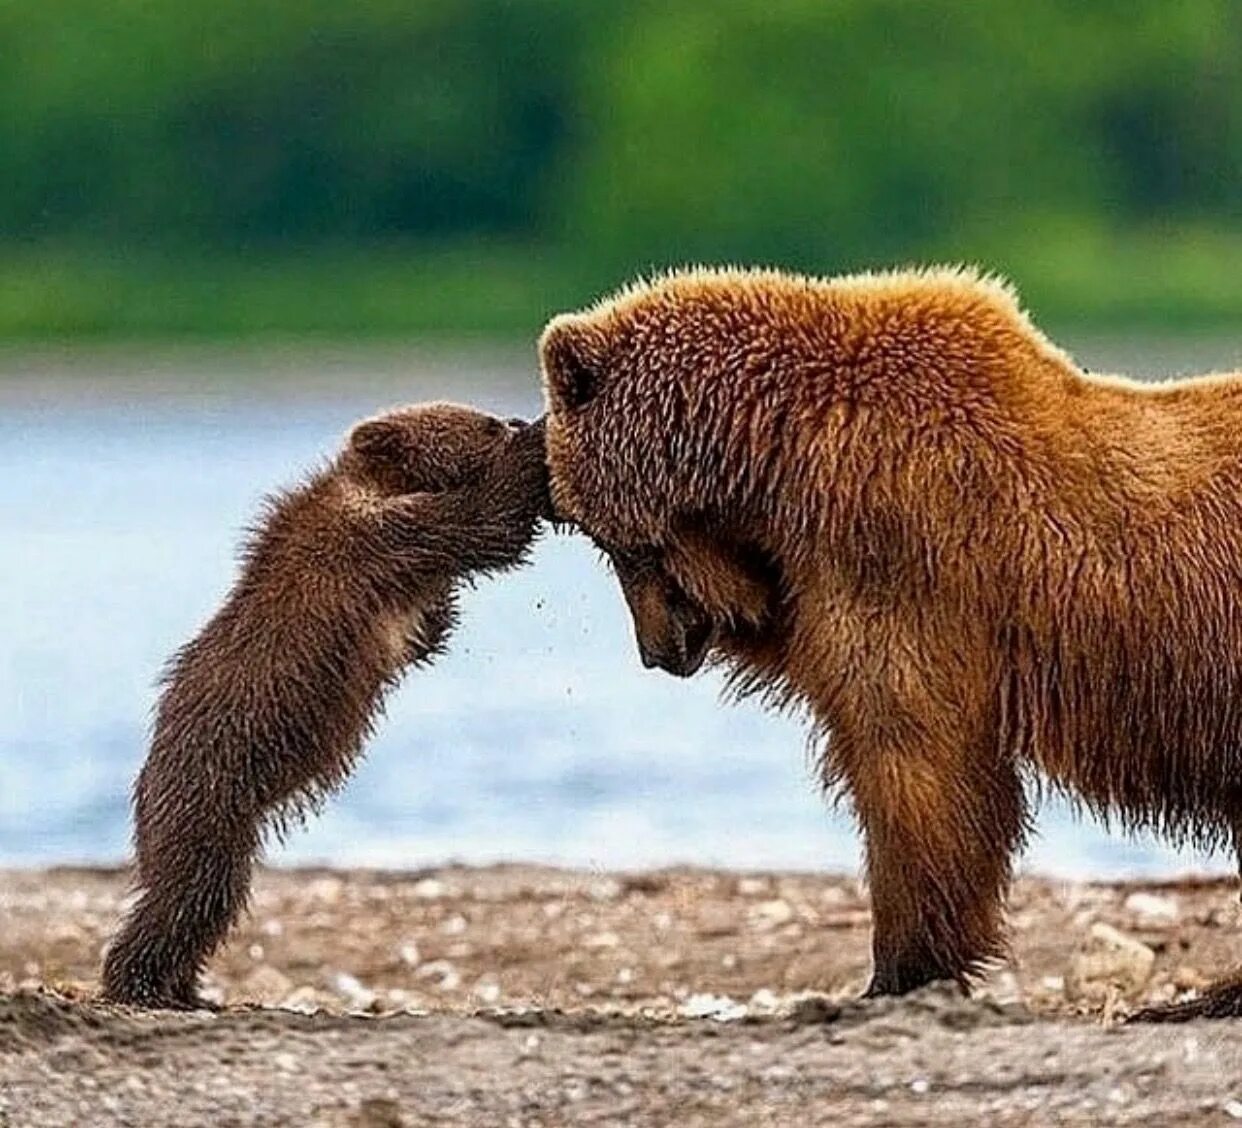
1220 1000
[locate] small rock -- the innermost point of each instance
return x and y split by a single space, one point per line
325 889
717 924
1003 987
429 889
409 954
1187 978
449 977
601 940
1233 1109
752 886
356 996
721 1008
305 1000
1110 962
487 992
1151 909
771 914
66 933
764 1001
266 986
604 889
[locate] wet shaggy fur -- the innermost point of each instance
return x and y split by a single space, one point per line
348 580
897 504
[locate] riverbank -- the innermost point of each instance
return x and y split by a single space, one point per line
526 995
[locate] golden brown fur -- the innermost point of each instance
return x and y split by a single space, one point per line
910 512
349 579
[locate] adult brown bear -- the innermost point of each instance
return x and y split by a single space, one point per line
891 499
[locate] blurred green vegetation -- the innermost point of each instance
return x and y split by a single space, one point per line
469 166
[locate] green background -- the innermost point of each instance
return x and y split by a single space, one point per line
466 167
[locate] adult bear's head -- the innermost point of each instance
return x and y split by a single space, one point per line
666 447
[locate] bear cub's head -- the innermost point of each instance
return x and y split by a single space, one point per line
437 447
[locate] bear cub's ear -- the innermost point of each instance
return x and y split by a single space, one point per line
382 442
573 359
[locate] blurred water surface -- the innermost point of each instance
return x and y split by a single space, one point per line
124 484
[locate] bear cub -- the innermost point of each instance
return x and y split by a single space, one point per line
349 580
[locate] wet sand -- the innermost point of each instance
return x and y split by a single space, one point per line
532 996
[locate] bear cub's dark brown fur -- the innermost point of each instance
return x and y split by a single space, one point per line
348 581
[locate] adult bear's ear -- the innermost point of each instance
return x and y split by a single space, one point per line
573 358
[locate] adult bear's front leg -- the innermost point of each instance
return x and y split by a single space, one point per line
942 821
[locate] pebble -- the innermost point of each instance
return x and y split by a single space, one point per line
305 1000
1233 1109
601 940
409 954
487 992
1003 987
1187 978
1151 909
764 1001
449 977
326 889
771 914
1108 962
605 889
721 1008
429 889
266 986
355 994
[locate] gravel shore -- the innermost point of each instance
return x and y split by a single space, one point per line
533 996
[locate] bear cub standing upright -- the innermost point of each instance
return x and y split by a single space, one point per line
349 580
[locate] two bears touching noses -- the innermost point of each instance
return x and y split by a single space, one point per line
887 499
